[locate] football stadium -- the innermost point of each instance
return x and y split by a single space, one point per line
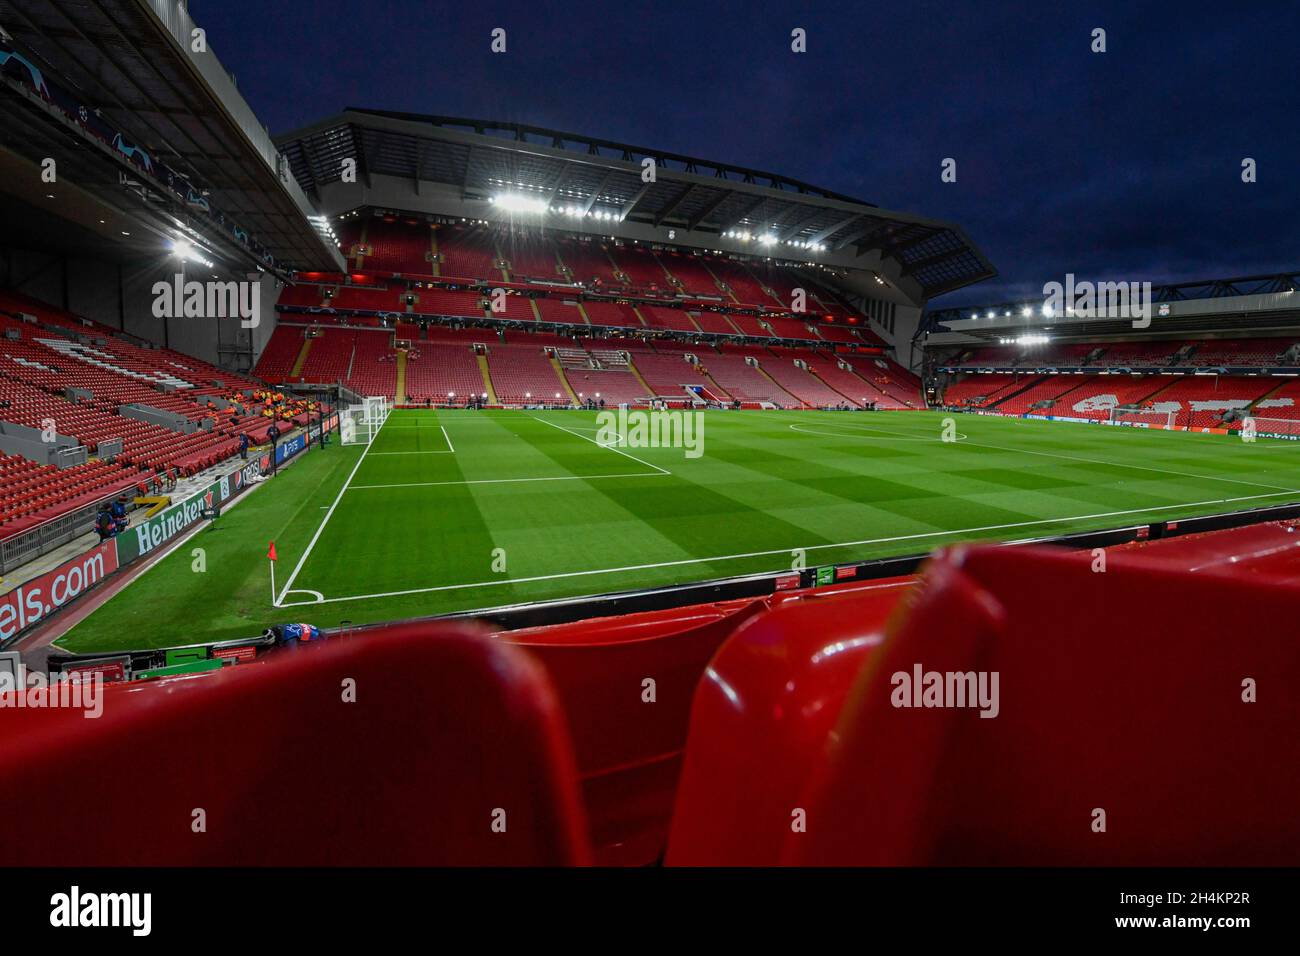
650 509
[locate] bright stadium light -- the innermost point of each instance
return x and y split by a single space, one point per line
183 250
1047 311
513 202
1026 312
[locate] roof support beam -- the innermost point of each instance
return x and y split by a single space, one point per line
831 230
672 206
910 268
751 208
855 235
595 193
641 194
792 230
709 208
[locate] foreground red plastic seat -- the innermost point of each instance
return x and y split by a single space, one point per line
1119 706
760 721
448 729
629 750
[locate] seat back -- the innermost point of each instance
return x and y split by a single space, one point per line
453 751
1124 735
629 746
760 722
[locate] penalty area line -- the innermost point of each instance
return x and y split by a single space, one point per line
599 445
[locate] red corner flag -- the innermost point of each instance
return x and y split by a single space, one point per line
271 554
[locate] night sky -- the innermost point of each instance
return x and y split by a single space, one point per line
1122 165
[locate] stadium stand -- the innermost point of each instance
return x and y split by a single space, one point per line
812 391
643 269
692 272
588 262
468 252
730 367
610 314
899 388
438 371
666 370
403 247
675 320
521 372
530 258
32 493
717 323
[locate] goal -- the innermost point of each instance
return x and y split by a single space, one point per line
359 424
1271 427
1141 417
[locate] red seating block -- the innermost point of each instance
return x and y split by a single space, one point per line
1146 723
406 779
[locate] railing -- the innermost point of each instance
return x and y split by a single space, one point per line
45 537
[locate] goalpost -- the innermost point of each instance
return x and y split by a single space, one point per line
1275 427
1141 417
359 424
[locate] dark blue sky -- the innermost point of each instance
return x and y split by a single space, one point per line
1122 165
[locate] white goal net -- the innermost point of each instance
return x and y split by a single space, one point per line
1142 417
359 424
1277 427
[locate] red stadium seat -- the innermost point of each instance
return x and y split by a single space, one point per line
290 774
1117 692
761 718
629 749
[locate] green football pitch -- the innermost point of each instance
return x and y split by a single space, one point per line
464 510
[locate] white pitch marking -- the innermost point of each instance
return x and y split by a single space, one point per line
961 436
599 445
813 547
1049 454
329 514
450 446
508 481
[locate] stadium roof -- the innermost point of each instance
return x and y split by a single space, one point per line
1257 303
126 58
483 158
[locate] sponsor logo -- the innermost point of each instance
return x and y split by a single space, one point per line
28 604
